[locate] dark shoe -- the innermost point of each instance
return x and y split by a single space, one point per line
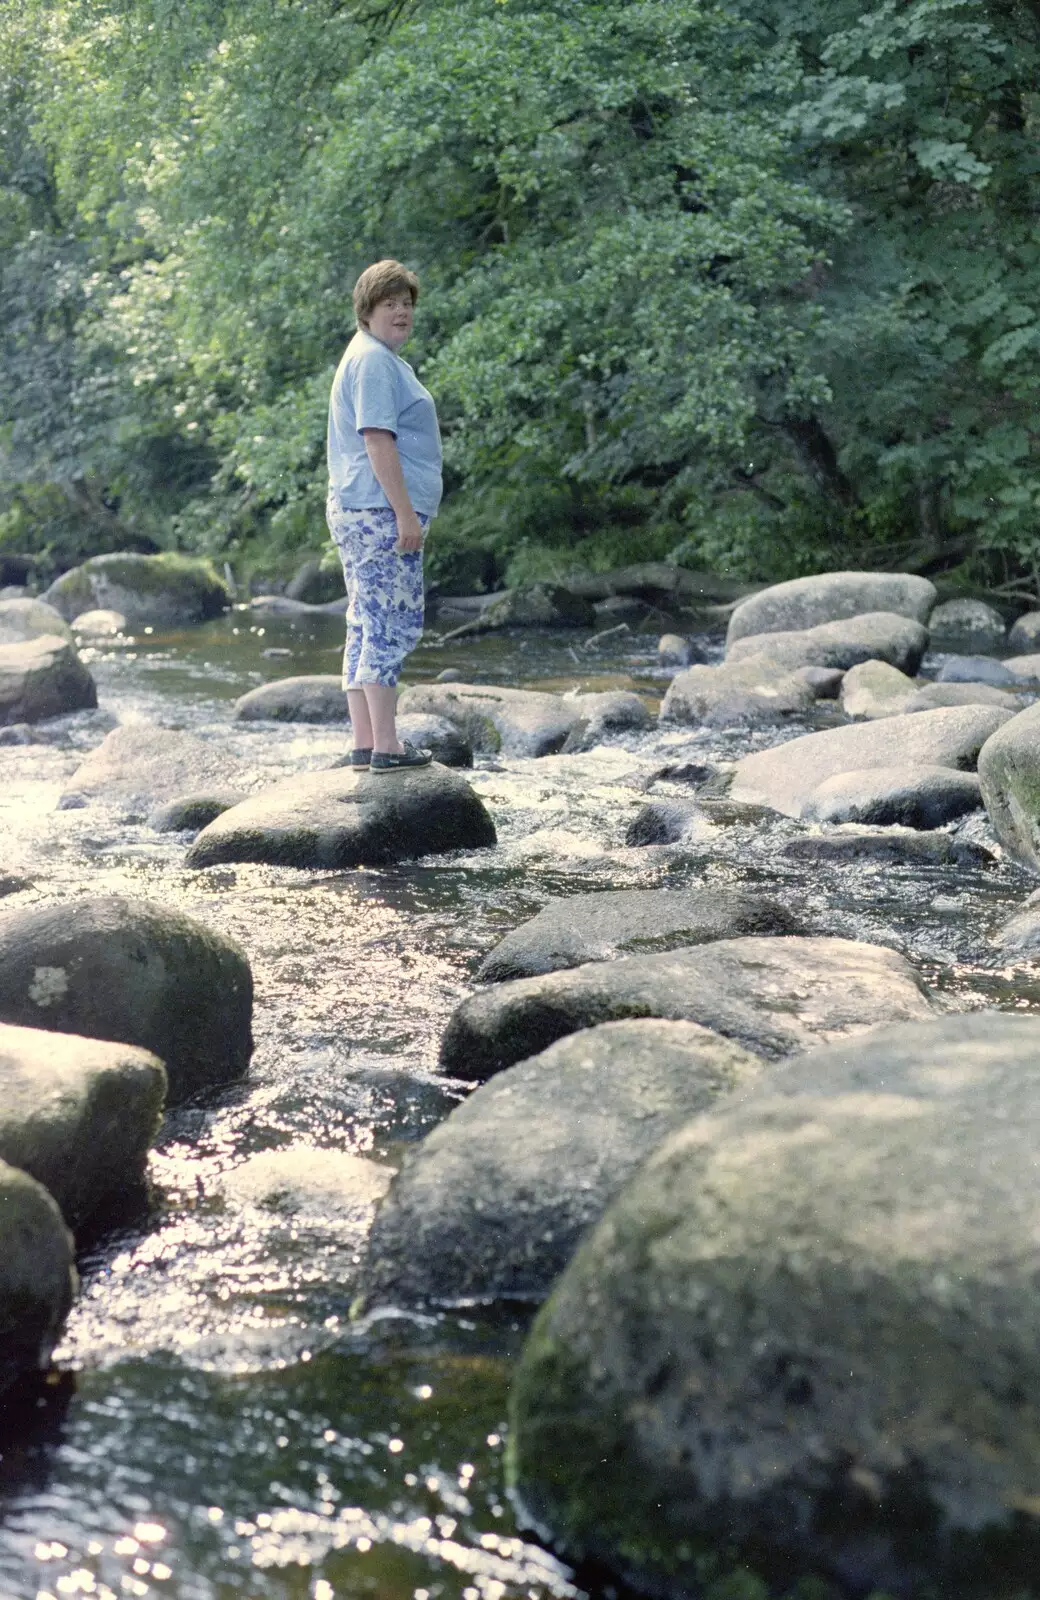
382 761
361 758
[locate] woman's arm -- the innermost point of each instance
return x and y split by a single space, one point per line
381 447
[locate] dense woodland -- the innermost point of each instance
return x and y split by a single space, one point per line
754 286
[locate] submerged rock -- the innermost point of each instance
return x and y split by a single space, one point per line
348 817
142 767
79 1116
785 778
751 693
135 973
37 1276
619 922
515 722
805 1331
830 597
493 1203
956 623
900 846
165 591
319 698
874 636
914 797
309 1182
42 677
771 995
1009 769
1020 935
30 619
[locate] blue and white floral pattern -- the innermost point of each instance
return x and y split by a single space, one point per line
385 590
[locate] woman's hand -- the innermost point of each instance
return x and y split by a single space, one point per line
409 532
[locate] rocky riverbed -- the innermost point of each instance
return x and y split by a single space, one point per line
241 1402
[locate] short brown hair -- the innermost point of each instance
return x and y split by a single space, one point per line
378 282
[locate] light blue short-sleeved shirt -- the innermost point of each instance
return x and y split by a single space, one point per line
374 388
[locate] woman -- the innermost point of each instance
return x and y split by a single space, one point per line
384 449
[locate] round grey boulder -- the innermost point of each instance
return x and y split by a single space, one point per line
190 812
830 597
784 778
37 1276
319 698
493 1203
164 591
30 619
42 677
971 624
1009 770
805 1331
751 693
874 689
143 767
349 817
620 922
771 995
1024 635
875 636
133 973
79 1116
674 650
447 743
978 669
660 822
515 722
911 796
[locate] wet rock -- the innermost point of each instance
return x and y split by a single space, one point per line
830 597
599 715
958 623
316 583
534 605
978 669
752 693
1024 636
99 624
42 678
25 619
825 682
875 689
1020 935
191 811
348 817
1009 769
874 636
308 1182
659 822
37 1277
515 722
913 797
494 1201
784 778
13 883
621 922
143 767
674 650
132 973
772 995
79 1116
318 698
165 591
17 733
806 1331
899 846
449 675
934 695
655 581
446 742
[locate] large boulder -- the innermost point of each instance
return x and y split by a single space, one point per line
912 797
30 619
784 778
874 689
37 1276
493 1202
320 698
1024 637
79 1116
349 817
1009 770
515 722
41 678
127 971
143 767
966 624
830 597
165 591
447 743
874 636
772 995
805 1332
752 693
621 922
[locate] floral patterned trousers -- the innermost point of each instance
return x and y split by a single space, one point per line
385 591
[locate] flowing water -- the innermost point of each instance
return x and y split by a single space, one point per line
216 1424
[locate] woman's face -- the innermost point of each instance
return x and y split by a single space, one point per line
391 320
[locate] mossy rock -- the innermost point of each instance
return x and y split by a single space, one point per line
164 591
37 1277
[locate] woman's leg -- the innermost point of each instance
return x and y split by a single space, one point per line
390 602
343 530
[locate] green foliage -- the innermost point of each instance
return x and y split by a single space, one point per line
750 285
